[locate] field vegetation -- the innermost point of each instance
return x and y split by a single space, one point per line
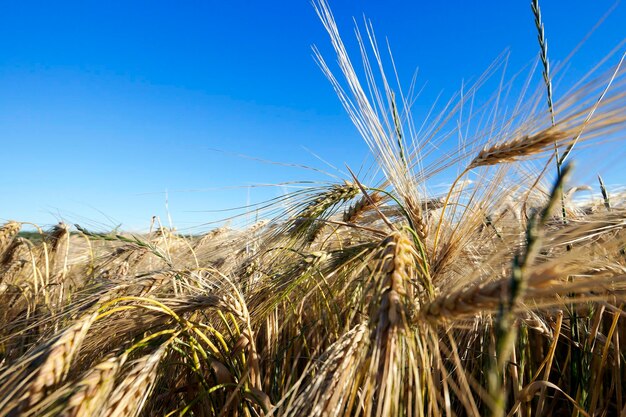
370 296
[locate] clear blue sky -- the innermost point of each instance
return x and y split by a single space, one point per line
105 105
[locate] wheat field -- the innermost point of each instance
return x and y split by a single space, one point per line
503 295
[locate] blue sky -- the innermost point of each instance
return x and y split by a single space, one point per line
106 105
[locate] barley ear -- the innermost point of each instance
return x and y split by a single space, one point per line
91 392
46 368
131 394
605 194
8 232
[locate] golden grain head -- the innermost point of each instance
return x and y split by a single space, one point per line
420 287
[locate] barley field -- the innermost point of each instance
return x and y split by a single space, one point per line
503 295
